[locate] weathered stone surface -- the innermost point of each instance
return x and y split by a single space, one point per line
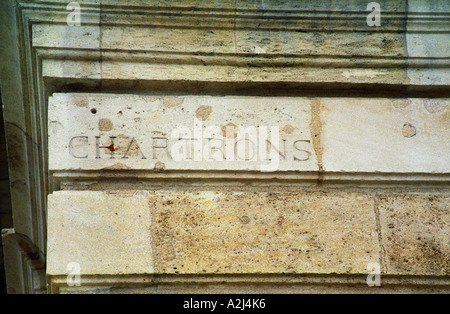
25 269
249 284
434 44
210 232
253 47
346 135
385 135
416 233
245 42
104 234
262 232
94 132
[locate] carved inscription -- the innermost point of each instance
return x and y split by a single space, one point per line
180 133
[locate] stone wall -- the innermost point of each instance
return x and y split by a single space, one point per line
360 113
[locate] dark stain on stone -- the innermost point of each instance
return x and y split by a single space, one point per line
245 219
203 112
105 125
159 166
409 130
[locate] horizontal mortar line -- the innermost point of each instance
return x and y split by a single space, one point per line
255 64
446 174
175 173
284 188
290 64
313 62
308 17
241 55
249 28
249 175
105 7
287 278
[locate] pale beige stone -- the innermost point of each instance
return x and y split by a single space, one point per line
210 232
261 232
250 47
379 135
104 234
138 132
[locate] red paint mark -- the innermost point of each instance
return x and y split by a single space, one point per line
112 148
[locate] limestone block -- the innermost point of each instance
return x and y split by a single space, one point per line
246 42
261 232
103 233
333 135
172 232
385 135
416 233
132 132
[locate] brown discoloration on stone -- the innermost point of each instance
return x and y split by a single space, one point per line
55 126
105 125
230 130
159 166
287 232
203 112
130 147
401 103
173 101
376 204
244 219
83 102
118 166
416 233
436 105
288 129
316 130
388 45
408 130
153 99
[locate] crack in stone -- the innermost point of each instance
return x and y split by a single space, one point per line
383 265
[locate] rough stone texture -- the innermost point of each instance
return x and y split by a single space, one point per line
349 135
261 232
287 42
416 233
208 232
145 133
242 232
435 45
252 47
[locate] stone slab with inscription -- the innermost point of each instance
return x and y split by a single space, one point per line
132 132
288 135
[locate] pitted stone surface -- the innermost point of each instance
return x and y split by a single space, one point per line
181 133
